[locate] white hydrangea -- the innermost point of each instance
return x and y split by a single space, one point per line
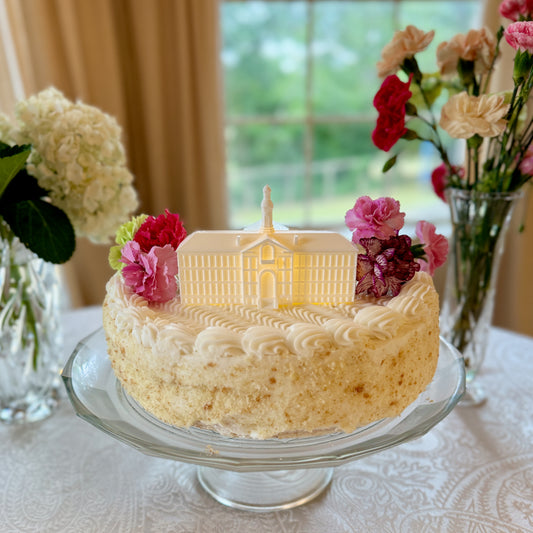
6 129
78 157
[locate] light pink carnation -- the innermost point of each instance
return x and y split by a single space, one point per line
152 274
520 36
404 44
465 115
435 247
476 45
379 218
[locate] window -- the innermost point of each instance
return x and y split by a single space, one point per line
300 77
267 253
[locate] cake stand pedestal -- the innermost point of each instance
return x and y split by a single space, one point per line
264 491
255 475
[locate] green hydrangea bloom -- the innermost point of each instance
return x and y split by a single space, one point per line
115 253
125 233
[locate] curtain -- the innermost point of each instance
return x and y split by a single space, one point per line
515 285
155 67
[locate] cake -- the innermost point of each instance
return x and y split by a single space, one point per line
265 339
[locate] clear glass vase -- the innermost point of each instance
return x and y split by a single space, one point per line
479 225
30 334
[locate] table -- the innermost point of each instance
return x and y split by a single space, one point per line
472 472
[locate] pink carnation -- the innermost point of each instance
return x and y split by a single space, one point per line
153 274
519 35
526 166
435 247
516 9
379 218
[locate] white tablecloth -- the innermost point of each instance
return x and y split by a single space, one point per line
472 472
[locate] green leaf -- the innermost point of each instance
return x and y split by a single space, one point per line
390 163
432 86
465 68
410 135
474 141
25 187
418 250
12 160
410 109
43 228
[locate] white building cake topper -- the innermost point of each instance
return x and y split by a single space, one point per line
267 267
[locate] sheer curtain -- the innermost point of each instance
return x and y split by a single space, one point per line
155 67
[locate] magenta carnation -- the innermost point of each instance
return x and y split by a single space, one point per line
150 274
160 231
386 266
435 247
379 218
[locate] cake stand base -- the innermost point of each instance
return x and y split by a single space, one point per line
264 491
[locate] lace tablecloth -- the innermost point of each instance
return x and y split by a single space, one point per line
472 472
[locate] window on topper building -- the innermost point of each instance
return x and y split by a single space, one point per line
300 77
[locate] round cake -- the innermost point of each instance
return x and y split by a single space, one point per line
264 373
271 333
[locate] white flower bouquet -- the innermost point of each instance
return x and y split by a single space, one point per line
62 174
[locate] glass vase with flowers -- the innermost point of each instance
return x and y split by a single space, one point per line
62 175
483 190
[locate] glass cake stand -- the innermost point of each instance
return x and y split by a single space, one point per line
257 475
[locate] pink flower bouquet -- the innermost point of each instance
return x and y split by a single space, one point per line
146 255
390 259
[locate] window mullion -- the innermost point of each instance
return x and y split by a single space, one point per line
308 125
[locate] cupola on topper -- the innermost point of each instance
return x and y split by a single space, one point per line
266 267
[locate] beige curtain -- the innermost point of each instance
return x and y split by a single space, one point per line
154 66
514 295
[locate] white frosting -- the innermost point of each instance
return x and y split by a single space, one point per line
308 338
235 330
264 340
291 371
218 342
380 320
